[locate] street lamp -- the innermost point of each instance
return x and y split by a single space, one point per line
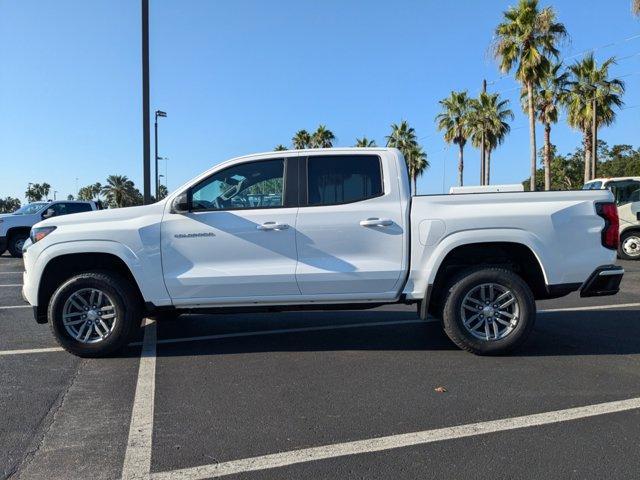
159 113
166 171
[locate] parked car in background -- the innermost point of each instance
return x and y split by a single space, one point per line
626 191
15 227
325 228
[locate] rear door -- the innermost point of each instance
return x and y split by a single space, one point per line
349 234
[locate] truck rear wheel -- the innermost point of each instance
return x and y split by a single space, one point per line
489 311
94 314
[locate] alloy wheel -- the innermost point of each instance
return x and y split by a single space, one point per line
490 311
89 315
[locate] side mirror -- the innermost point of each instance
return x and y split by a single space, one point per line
180 204
635 208
48 213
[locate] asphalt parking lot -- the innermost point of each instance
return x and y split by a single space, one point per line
325 395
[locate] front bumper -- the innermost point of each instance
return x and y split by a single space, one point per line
603 281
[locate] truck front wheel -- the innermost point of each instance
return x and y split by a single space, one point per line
489 311
16 242
94 314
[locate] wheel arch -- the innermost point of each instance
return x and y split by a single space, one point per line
65 265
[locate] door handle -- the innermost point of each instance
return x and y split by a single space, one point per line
273 226
376 222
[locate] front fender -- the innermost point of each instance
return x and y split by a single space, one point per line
147 272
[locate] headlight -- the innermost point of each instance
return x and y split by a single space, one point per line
40 232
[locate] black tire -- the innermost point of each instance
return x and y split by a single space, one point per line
15 244
127 309
465 283
630 237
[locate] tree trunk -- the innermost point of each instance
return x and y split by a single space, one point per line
547 156
487 168
532 136
587 156
415 184
482 161
460 165
594 153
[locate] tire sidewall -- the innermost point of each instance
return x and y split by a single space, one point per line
452 319
113 286
17 253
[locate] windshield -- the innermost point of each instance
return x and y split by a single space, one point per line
625 191
30 208
592 186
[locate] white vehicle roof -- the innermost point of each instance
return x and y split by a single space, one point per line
612 179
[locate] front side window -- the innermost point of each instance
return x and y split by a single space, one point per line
244 186
343 179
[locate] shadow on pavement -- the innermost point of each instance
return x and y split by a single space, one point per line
607 332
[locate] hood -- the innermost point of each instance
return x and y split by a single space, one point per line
100 216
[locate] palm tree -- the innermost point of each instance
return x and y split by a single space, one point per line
402 137
120 191
526 38
588 85
548 97
322 138
488 118
364 142
301 140
279 148
635 7
162 191
417 163
454 120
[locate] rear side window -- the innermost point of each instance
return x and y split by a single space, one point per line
78 207
343 179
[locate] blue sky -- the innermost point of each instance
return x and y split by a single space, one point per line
239 77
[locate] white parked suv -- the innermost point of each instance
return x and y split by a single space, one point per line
15 227
626 191
314 229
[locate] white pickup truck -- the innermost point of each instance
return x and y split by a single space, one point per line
316 229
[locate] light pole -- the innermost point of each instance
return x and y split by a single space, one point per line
146 150
159 113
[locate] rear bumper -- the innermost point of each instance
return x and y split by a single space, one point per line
603 281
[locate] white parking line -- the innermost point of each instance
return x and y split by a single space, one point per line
137 458
31 350
9 273
14 306
391 442
12 285
592 307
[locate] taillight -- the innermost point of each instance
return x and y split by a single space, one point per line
611 230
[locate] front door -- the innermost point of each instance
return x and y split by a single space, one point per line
237 244
349 233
